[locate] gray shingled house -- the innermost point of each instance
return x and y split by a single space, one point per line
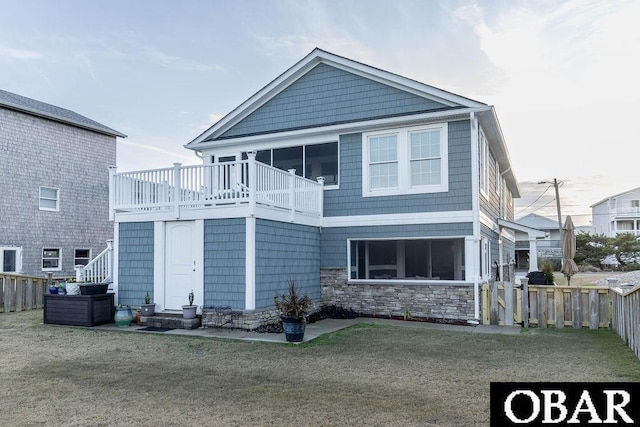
371 190
54 187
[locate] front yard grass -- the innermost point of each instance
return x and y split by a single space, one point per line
364 375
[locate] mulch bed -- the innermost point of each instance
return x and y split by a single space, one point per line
335 312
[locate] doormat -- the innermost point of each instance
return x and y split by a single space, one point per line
154 329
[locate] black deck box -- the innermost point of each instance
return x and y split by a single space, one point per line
79 310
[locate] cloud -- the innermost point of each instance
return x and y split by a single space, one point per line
179 63
10 53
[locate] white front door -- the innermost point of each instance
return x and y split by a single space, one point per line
183 259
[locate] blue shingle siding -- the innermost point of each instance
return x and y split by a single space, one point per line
348 200
327 95
286 252
224 262
135 265
334 240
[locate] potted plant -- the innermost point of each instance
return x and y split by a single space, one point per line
148 308
123 316
292 307
189 311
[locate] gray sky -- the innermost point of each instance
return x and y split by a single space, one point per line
561 74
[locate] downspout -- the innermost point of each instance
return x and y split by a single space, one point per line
475 206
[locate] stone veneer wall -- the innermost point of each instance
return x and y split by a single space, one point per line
452 302
243 319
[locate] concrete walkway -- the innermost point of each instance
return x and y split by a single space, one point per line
314 330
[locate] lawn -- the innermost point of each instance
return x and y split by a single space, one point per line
364 375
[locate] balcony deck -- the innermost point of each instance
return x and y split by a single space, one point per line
219 190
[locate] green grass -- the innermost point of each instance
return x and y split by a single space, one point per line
363 375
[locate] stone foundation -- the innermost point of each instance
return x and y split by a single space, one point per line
242 319
437 301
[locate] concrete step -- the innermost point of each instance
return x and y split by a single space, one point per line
170 321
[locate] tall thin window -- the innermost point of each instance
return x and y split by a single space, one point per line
425 159
483 151
383 161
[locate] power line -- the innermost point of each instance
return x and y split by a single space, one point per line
539 197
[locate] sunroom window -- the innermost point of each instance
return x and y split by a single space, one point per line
310 161
413 259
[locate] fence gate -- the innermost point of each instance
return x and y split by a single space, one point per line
545 306
501 304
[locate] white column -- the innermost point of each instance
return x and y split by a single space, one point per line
250 264
253 179
533 254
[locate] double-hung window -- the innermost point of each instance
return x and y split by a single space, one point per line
49 199
405 161
51 259
483 152
383 161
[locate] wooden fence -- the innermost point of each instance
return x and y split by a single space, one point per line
625 315
19 293
543 306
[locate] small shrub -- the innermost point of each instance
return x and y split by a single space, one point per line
548 272
588 268
634 266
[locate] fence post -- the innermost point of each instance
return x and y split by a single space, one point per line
494 313
508 303
558 302
575 303
542 307
525 302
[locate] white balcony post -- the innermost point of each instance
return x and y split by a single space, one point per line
109 259
292 194
252 170
321 196
112 192
177 191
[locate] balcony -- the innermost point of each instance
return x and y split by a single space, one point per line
230 189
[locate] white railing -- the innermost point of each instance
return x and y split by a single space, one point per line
245 182
99 269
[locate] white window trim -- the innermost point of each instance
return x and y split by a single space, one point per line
483 163
243 149
59 268
57 199
81 249
404 162
485 250
404 280
18 250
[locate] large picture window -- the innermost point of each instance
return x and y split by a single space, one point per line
414 259
404 161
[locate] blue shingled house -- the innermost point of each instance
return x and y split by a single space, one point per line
371 190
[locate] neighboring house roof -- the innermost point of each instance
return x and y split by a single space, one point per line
52 112
444 106
531 231
637 189
538 222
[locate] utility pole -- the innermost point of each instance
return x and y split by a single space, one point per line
555 185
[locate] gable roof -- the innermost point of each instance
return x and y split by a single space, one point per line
539 222
453 106
52 112
634 190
